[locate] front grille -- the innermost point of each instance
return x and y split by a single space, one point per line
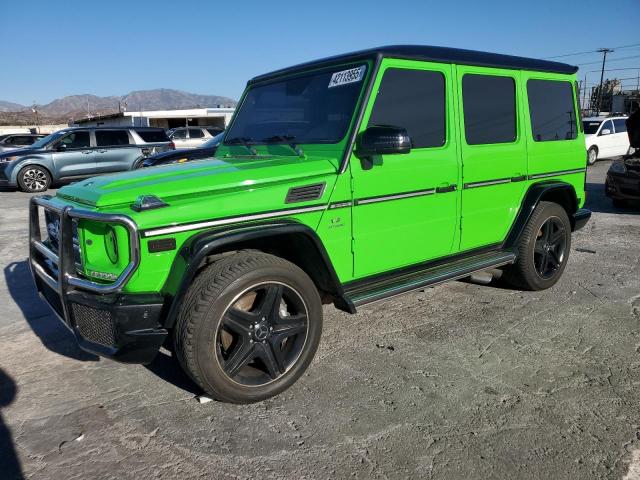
95 325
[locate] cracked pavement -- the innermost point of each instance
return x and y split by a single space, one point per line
457 381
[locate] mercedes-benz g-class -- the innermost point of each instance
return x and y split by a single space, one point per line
345 180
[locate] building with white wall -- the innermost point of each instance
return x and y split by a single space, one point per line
209 117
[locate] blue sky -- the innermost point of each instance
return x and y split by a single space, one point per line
51 49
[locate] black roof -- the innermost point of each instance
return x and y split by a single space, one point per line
433 54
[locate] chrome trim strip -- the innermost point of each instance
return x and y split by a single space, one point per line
499 181
399 196
555 174
229 220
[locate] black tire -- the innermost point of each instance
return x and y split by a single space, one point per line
34 178
211 315
592 156
541 258
618 203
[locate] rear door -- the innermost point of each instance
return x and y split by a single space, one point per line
494 155
621 137
196 137
77 159
115 151
406 205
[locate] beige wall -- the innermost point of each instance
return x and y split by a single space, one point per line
41 129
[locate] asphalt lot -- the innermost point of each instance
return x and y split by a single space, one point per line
460 381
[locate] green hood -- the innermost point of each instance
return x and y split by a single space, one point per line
194 178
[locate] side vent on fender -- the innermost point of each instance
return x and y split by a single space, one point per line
305 193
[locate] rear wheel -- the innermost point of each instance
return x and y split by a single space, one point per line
543 249
34 178
592 156
249 327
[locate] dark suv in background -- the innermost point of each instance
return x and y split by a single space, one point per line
18 140
80 152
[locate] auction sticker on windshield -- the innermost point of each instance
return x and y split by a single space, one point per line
347 76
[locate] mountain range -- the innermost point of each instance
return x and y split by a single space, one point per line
158 99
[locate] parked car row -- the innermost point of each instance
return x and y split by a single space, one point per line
605 137
206 150
192 137
74 153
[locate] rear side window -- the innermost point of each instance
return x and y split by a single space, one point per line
112 138
195 133
23 140
414 100
179 134
620 125
552 110
489 105
153 136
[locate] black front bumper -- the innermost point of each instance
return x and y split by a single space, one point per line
122 327
105 321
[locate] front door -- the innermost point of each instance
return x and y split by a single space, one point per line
405 205
621 136
607 140
77 158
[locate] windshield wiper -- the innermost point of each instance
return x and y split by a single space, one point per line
288 140
244 141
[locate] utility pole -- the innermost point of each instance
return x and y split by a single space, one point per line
604 52
34 109
584 96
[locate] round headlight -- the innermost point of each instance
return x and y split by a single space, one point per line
111 245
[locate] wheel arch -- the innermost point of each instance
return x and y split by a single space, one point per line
30 162
290 240
558 192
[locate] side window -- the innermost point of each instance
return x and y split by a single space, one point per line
489 105
179 134
10 141
195 133
552 110
608 125
414 100
23 140
112 138
620 125
76 140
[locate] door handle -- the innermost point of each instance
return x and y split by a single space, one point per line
445 189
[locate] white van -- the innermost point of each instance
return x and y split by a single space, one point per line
606 137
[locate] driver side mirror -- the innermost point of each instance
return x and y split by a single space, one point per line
605 131
381 140
61 147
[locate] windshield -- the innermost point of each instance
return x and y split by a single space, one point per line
313 108
214 141
590 126
43 142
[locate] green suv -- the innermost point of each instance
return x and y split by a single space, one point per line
345 180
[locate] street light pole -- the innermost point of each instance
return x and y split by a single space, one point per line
604 52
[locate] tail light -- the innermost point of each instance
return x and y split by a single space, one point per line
172 146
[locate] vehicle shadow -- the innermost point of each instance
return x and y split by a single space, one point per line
53 335
597 201
9 462
168 369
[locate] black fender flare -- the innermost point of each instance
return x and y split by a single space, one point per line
561 192
193 255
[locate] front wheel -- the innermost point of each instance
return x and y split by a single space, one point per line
543 249
34 178
249 327
592 156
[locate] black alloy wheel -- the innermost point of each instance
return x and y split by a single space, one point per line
550 247
262 334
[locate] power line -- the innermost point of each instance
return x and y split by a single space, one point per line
615 69
611 59
592 51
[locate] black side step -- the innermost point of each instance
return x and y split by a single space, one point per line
389 287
